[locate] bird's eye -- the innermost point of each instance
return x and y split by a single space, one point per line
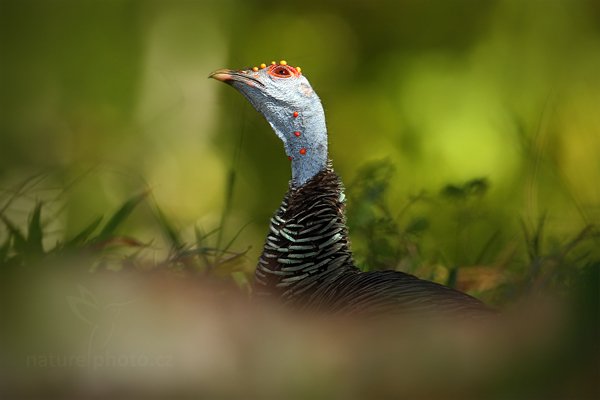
282 71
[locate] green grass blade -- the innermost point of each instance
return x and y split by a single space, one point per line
4 249
19 241
201 236
168 230
35 233
121 215
452 277
228 200
538 237
21 189
233 239
487 246
82 236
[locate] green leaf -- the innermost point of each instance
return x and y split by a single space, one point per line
453 192
477 186
121 215
417 225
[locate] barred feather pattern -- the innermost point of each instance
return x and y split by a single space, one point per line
307 262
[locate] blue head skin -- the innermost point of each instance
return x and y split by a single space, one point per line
292 108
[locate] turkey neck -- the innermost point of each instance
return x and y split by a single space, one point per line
307 143
303 133
307 243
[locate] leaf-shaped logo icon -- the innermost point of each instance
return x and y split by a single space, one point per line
84 305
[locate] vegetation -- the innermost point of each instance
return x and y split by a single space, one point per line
497 268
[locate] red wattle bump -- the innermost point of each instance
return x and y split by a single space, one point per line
303 151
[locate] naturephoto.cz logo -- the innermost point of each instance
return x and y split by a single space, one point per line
102 319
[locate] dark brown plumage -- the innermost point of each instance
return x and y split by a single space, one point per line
307 262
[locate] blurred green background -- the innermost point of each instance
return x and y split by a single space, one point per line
467 133
456 125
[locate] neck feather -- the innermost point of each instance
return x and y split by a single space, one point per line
307 242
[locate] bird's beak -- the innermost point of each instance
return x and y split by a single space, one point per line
230 76
223 75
